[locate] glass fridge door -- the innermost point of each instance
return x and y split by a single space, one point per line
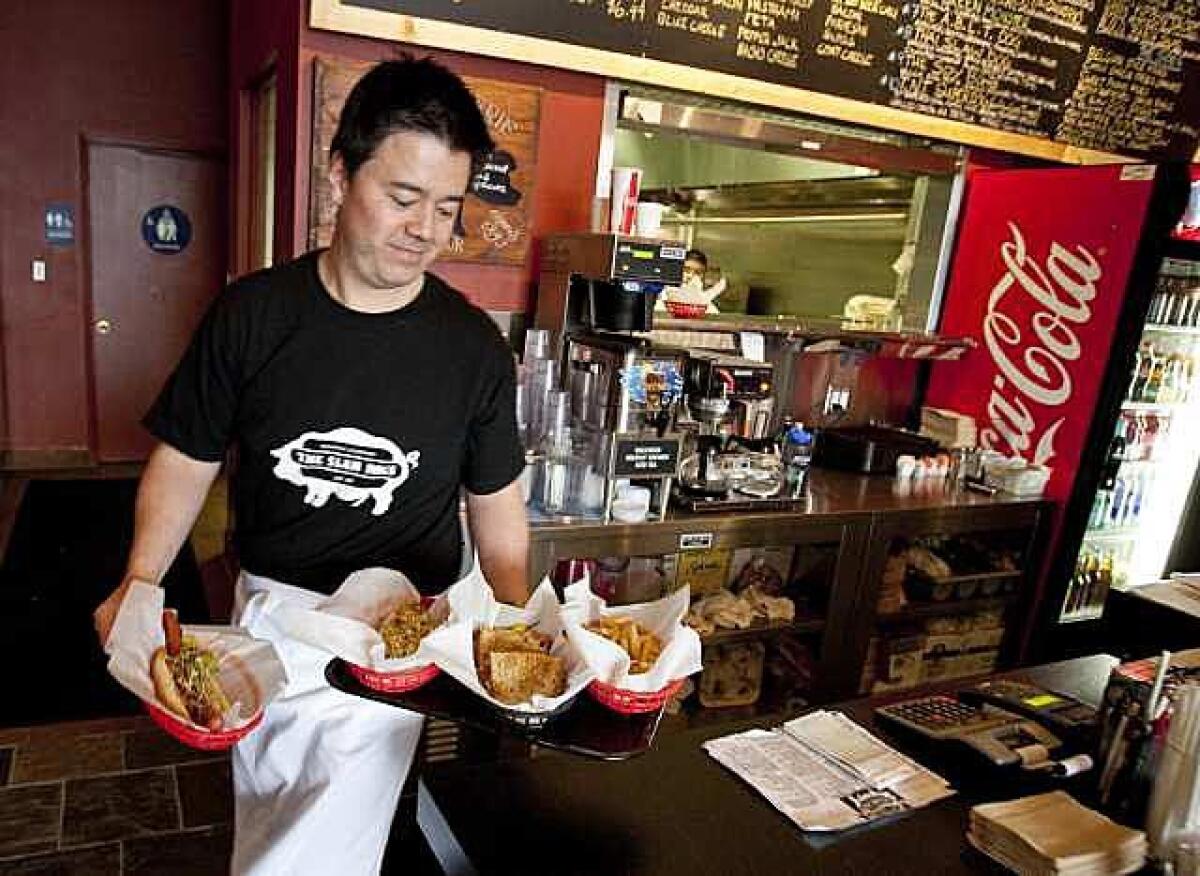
1155 452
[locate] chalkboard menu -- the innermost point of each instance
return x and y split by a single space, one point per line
1109 75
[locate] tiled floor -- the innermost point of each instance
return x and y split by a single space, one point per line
120 798
111 797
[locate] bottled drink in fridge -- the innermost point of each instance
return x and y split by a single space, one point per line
1104 580
1117 504
1154 379
1141 375
1137 370
1099 515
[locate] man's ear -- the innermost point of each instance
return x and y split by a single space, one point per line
339 179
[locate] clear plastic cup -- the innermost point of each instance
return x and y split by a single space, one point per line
537 344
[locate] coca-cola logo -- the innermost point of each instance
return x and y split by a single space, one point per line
1033 352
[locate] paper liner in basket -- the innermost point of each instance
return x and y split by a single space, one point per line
251 673
473 606
346 624
680 655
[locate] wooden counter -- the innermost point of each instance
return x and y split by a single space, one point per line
851 521
676 811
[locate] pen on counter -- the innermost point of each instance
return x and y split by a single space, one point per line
1160 677
1119 749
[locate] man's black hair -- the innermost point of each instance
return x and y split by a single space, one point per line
409 94
695 255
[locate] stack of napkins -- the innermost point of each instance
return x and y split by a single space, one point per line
1051 833
948 428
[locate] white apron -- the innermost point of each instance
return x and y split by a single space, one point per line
316 785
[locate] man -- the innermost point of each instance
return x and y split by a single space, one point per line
361 394
695 266
691 288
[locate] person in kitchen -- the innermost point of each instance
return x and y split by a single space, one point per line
691 289
361 394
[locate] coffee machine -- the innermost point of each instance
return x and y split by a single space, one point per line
595 291
732 461
743 388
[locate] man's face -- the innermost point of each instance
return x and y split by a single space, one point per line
398 212
693 271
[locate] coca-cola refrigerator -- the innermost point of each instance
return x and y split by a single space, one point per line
1086 311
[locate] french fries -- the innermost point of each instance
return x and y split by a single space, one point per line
642 646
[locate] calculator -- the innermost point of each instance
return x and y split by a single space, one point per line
1003 738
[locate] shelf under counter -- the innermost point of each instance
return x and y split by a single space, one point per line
948 608
800 626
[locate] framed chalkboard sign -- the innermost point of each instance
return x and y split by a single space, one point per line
1072 80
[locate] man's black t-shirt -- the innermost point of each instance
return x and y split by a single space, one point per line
354 431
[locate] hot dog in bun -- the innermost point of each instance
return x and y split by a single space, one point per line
185 677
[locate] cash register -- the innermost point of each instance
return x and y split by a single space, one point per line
1003 721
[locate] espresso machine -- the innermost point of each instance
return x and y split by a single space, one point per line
595 293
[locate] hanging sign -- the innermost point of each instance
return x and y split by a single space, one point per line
166 229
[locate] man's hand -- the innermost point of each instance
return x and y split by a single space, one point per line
105 614
170 494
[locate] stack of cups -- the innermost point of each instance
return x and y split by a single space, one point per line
623 203
538 378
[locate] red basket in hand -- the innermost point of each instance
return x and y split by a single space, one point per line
629 702
686 311
394 682
205 740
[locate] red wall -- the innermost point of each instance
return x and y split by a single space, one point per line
134 71
568 147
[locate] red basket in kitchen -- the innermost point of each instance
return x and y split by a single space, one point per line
686 311
629 702
205 740
396 682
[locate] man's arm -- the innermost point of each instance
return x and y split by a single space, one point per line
500 531
169 498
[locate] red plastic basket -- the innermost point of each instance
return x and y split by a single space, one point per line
394 682
686 311
629 702
205 740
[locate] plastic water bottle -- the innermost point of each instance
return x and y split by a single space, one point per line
797 456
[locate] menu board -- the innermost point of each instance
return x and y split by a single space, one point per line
1109 75
494 224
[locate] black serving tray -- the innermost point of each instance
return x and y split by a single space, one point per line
586 728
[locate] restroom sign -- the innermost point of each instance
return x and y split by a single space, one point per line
166 229
59 224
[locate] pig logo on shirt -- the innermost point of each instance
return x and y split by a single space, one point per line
348 463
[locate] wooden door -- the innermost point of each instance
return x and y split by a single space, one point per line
156 225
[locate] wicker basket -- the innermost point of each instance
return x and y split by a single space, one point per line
205 740
629 702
